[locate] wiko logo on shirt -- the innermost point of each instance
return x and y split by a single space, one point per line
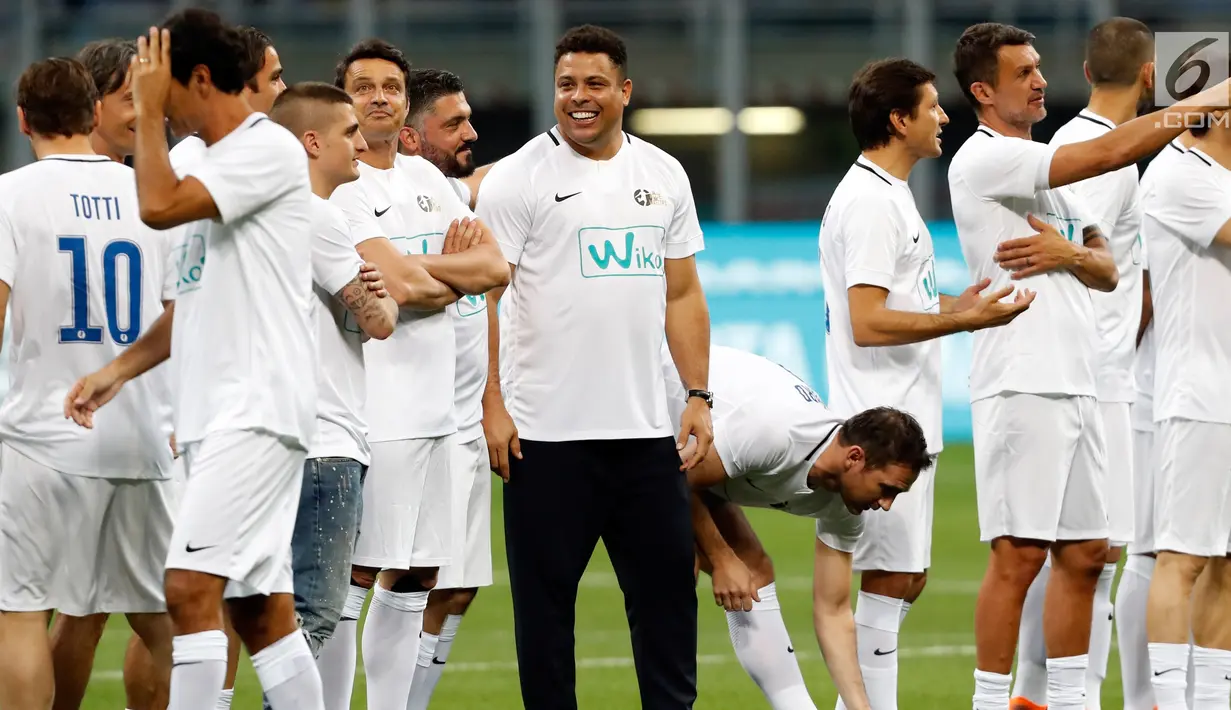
623 251
1066 226
191 263
926 286
471 305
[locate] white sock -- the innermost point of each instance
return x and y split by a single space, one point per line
1131 599
1169 665
421 688
198 671
764 649
224 700
336 660
1066 682
288 674
1031 681
1212 668
1100 636
391 646
420 694
991 690
878 620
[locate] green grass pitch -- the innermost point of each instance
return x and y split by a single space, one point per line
937 645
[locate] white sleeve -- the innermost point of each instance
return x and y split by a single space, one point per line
1005 167
461 189
335 262
505 206
357 210
170 241
250 173
454 206
750 441
684 237
840 529
1195 208
8 249
872 234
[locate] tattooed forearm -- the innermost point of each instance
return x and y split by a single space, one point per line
376 316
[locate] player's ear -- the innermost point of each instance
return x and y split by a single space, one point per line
626 89
98 114
855 455
21 122
1147 75
982 91
312 144
408 138
1085 70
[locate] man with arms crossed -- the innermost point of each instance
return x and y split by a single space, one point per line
1188 220
243 421
438 129
406 219
883 314
602 230
1120 68
777 446
1039 454
84 278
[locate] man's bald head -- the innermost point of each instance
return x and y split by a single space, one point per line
309 106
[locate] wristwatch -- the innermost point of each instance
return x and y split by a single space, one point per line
705 395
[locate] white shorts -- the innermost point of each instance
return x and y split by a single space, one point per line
471 564
80 545
1040 467
407 505
1144 468
1118 435
900 539
237 513
1192 490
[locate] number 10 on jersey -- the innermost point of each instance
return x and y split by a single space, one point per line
80 331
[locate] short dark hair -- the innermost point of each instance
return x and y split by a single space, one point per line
592 39
887 436
289 109
1117 49
372 48
255 43
57 96
200 38
424 87
879 90
108 60
977 56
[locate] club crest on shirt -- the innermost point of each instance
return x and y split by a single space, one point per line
647 198
190 263
621 251
427 204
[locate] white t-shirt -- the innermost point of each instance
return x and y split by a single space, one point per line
770 427
1113 201
581 324
1190 276
340 429
410 375
470 334
244 344
872 234
1051 348
1143 364
87 279
187 151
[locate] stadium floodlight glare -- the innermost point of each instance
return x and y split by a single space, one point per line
714 121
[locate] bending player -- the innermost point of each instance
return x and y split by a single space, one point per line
777 446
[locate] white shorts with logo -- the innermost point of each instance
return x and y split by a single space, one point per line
900 539
80 545
1118 435
1040 467
471 563
237 511
407 505
1192 490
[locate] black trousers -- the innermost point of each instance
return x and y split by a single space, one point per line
561 499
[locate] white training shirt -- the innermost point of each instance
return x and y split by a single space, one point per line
1143 364
340 428
87 279
1113 201
244 348
410 375
1190 276
1051 348
872 234
581 324
770 427
470 335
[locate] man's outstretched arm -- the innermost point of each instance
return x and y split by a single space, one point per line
835 624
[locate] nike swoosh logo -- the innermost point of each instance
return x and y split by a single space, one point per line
915 239
190 549
437 661
381 212
562 199
1158 673
879 652
790 649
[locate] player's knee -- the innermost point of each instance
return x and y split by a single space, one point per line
364 577
1085 559
762 567
918 582
191 604
459 601
1180 568
1017 564
411 582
